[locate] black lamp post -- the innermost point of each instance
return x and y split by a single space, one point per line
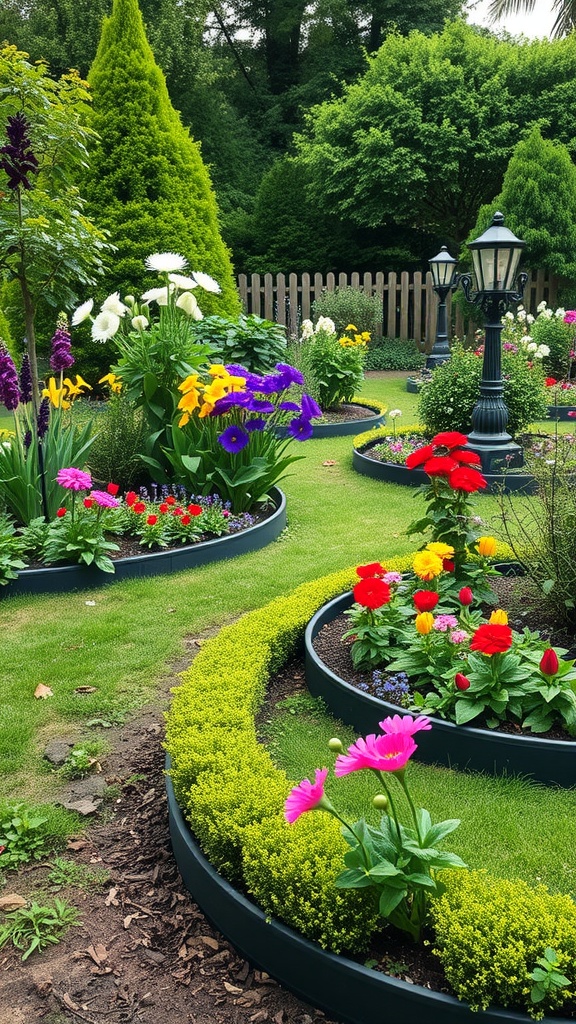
444 280
495 258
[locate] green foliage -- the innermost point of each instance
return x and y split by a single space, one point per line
333 366
446 402
11 548
147 184
65 872
538 200
490 933
80 762
546 977
350 306
115 451
36 927
549 329
78 537
5 337
22 834
393 354
247 341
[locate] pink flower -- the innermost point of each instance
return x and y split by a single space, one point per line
458 636
572 415
387 753
104 499
74 479
305 796
570 316
392 577
405 724
445 622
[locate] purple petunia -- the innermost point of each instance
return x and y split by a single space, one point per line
61 357
104 499
289 407
234 439
235 400
289 375
310 408
253 380
9 386
256 424
74 479
260 405
271 384
300 428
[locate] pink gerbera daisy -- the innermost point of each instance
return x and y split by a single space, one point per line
74 479
306 796
404 724
387 753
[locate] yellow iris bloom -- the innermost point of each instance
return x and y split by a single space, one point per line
56 395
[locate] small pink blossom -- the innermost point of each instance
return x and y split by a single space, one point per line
74 479
392 577
458 636
570 316
386 753
445 622
305 796
104 499
396 446
404 724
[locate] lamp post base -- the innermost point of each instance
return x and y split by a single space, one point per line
436 359
497 458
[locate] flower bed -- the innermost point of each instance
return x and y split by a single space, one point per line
375 416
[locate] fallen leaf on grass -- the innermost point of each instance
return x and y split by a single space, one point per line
97 953
42 691
330 462
76 844
10 902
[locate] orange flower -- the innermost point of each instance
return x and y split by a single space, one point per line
487 546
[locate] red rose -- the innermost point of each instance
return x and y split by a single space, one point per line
450 439
448 565
419 456
439 465
425 600
61 512
549 664
88 502
186 520
465 596
170 500
491 638
139 507
130 498
462 682
195 510
163 508
466 478
372 593
113 489
470 458
152 520
550 382
372 569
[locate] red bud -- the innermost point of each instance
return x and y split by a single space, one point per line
466 596
448 565
425 600
549 664
113 489
462 682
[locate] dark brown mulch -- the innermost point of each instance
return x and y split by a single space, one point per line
345 412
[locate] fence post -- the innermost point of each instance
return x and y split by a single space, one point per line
281 299
305 297
391 322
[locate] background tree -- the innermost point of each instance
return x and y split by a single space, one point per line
147 183
564 12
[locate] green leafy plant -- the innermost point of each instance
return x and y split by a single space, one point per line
119 441
393 354
36 927
11 548
350 306
546 976
22 835
333 365
80 539
249 340
79 763
551 329
65 872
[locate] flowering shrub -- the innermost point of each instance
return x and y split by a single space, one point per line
400 862
561 392
555 330
333 365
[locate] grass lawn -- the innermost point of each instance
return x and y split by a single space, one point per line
122 638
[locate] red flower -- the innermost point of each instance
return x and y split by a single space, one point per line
170 500
163 508
372 569
571 414
439 465
462 682
469 457
448 565
139 507
152 520
177 512
61 512
549 664
113 489
466 478
550 382
88 502
450 439
372 593
186 520
425 600
130 498
195 510
419 456
465 596
491 638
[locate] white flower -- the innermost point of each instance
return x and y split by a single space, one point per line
206 282
82 313
157 295
541 306
508 315
394 413
547 314
105 326
560 312
139 323
532 347
529 319
307 329
521 315
165 262
326 324
542 351
113 305
188 304
183 283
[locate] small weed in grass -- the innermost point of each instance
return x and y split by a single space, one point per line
35 927
23 835
81 760
66 872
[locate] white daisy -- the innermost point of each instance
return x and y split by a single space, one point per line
113 305
394 413
105 326
187 303
206 282
157 295
181 282
82 313
165 262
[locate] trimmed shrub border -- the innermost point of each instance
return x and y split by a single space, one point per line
225 669
561 412
64 578
375 418
463 746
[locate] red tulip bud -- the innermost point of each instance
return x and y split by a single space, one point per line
113 489
549 664
466 596
462 682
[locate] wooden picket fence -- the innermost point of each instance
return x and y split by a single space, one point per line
409 303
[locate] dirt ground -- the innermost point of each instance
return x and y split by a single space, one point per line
143 951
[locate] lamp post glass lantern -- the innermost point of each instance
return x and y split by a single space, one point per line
495 259
444 280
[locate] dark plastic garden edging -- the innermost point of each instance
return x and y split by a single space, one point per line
413 385
463 746
62 579
561 412
394 474
341 987
347 427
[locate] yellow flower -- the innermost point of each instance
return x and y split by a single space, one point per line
440 549
116 388
345 341
498 618
75 389
427 565
189 401
190 383
56 395
424 623
218 370
109 379
487 546
350 327
366 336
217 389
81 383
206 409
184 419
235 383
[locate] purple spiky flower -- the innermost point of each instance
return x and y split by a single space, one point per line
16 157
61 357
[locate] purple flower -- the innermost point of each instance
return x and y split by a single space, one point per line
43 418
236 399
17 158
271 384
253 380
300 428
61 357
9 386
289 407
27 439
260 405
256 424
234 439
25 380
74 479
289 375
310 408
104 499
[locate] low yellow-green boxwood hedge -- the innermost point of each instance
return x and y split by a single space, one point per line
233 796
376 433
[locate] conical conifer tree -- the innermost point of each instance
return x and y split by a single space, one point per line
147 183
